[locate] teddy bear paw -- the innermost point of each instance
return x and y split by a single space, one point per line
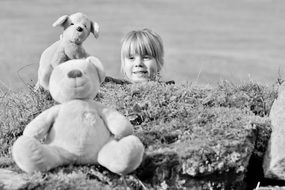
28 155
122 156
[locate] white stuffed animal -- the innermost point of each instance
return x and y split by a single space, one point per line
78 130
77 28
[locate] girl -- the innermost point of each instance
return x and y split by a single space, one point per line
141 55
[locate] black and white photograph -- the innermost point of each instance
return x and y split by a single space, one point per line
142 95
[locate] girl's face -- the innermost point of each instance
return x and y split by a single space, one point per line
140 68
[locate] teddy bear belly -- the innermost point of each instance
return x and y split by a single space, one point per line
82 136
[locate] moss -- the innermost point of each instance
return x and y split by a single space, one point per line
194 135
17 109
212 130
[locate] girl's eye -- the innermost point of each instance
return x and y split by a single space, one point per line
131 58
147 57
71 24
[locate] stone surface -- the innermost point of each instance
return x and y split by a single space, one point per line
12 180
200 163
274 160
194 138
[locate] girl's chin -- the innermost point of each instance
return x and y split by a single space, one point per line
140 79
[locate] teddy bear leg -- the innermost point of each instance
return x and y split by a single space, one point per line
122 156
30 155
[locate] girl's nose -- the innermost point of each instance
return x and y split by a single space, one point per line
138 62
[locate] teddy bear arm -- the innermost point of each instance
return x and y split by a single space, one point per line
117 123
40 126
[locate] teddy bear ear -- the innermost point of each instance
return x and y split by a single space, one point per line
99 67
95 29
60 21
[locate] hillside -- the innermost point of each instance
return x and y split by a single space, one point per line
199 137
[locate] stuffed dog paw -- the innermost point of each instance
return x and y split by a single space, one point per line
78 130
77 28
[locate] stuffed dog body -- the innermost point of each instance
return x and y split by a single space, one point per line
77 28
78 130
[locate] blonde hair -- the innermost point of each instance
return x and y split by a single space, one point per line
142 42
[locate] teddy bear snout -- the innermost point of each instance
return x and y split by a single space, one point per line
79 29
74 74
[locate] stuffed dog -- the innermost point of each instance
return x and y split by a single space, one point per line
78 130
77 28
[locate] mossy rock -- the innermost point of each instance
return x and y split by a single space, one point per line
196 137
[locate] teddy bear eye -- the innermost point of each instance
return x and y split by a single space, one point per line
85 26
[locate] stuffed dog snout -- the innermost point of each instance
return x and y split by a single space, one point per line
79 29
76 28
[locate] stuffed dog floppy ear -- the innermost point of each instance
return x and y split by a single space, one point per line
95 29
61 21
99 67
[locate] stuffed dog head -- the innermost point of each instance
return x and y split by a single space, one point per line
76 79
77 27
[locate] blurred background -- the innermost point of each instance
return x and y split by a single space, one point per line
205 40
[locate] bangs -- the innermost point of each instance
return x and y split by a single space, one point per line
138 44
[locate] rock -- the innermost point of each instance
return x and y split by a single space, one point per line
12 180
274 160
202 140
159 166
210 158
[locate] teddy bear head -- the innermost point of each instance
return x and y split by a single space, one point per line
76 79
77 27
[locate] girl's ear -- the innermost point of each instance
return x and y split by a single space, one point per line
99 67
95 29
61 21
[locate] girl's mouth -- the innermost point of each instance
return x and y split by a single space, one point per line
140 72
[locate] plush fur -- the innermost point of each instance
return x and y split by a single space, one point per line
77 28
78 130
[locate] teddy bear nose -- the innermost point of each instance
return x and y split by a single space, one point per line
79 29
74 74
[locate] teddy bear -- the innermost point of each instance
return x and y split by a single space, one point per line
77 28
78 130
